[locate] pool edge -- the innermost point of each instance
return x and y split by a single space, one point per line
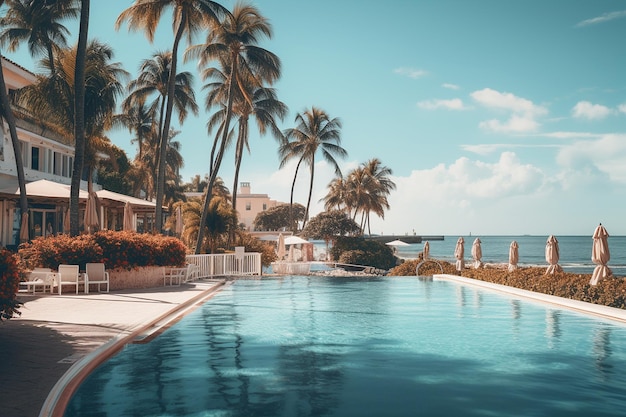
597 310
58 398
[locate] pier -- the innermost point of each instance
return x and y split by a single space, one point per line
404 238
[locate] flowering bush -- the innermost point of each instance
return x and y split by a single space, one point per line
117 250
609 292
9 284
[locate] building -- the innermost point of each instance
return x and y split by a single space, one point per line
48 162
249 205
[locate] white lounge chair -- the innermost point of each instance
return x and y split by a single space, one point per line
68 275
39 278
96 274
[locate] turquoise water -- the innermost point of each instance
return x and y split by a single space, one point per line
313 346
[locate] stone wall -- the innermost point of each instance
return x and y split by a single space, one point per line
143 277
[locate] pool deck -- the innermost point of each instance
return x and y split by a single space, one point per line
58 337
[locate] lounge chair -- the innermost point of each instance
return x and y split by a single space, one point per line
96 274
68 275
39 278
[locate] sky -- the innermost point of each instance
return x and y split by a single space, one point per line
495 117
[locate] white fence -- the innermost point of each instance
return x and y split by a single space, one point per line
227 264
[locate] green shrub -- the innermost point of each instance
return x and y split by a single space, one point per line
363 252
9 285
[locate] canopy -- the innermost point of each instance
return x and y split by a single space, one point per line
397 242
46 190
294 240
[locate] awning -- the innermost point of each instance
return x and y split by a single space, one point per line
44 189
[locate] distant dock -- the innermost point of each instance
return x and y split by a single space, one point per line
404 238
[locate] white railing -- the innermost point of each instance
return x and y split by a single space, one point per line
226 264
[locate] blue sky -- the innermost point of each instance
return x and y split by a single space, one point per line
495 117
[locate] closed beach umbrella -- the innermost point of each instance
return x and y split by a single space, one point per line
128 217
426 251
91 213
24 228
459 252
66 221
281 247
513 256
477 253
552 255
600 255
292 255
179 220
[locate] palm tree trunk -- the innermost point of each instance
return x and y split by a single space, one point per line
79 116
164 134
218 160
308 202
19 164
238 158
293 187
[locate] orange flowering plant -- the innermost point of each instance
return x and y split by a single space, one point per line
117 250
9 285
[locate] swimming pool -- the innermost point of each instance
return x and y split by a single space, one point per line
314 346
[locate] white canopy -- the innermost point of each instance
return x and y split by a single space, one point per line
294 240
46 189
397 242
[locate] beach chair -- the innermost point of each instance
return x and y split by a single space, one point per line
97 274
193 273
68 275
38 278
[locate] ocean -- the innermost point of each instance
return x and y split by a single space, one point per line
575 251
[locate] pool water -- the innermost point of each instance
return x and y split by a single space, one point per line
314 346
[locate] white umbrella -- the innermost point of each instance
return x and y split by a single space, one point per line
179 220
426 251
459 252
552 255
600 255
397 242
292 256
66 221
91 213
128 217
281 247
294 240
513 256
24 228
477 253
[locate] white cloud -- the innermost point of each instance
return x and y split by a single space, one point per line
606 155
452 104
411 72
590 111
450 86
523 111
622 108
603 18
570 135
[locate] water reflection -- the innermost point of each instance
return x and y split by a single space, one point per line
553 327
602 352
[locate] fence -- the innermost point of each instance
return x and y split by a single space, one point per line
227 264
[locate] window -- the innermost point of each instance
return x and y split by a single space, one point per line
264 206
34 158
248 206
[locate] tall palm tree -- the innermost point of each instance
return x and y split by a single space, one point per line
336 198
315 131
188 18
234 45
38 23
153 81
79 115
40 26
138 119
53 98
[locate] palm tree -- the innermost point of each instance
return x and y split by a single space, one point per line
188 18
79 116
138 119
38 23
336 198
153 80
234 45
52 98
314 131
